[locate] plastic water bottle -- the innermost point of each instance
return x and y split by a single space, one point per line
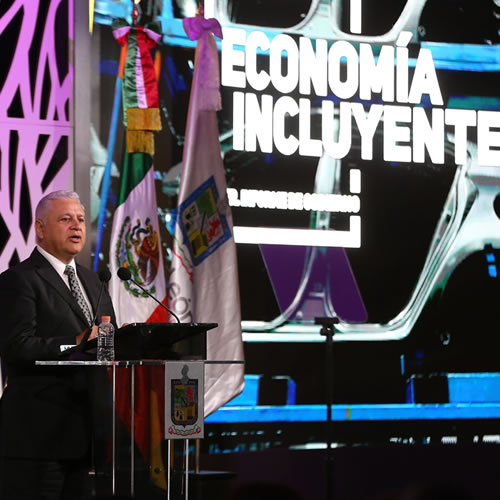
106 340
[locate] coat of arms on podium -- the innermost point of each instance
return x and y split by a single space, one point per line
184 405
184 394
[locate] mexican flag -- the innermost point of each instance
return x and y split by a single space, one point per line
203 285
135 244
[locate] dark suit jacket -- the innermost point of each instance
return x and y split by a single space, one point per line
44 412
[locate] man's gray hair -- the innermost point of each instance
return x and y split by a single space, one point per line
43 207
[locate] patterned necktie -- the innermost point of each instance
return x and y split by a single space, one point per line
77 292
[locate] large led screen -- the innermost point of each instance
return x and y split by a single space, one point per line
361 149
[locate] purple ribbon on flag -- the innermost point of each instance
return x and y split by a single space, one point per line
195 27
206 61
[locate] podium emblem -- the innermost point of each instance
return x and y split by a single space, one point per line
184 393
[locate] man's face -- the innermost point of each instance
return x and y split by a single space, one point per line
63 233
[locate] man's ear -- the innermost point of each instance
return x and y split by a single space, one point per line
39 229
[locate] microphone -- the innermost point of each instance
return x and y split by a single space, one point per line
104 277
125 275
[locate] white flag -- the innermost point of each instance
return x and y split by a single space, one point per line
204 279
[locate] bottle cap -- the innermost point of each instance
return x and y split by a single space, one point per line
105 318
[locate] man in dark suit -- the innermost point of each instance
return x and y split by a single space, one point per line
47 302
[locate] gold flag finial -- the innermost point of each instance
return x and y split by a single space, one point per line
91 16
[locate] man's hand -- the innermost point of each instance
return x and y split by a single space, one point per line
93 335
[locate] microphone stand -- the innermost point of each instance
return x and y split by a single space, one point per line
126 276
327 329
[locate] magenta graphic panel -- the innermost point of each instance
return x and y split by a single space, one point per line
36 80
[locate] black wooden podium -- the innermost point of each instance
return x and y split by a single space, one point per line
138 341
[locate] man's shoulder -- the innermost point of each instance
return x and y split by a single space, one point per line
22 274
26 265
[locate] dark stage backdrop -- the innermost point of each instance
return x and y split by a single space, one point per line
411 270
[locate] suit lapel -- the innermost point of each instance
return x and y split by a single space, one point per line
52 278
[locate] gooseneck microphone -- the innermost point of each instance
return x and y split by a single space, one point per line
104 277
125 275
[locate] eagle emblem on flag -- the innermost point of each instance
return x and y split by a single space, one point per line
138 249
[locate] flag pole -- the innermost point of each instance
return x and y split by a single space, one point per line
197 449
109 161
